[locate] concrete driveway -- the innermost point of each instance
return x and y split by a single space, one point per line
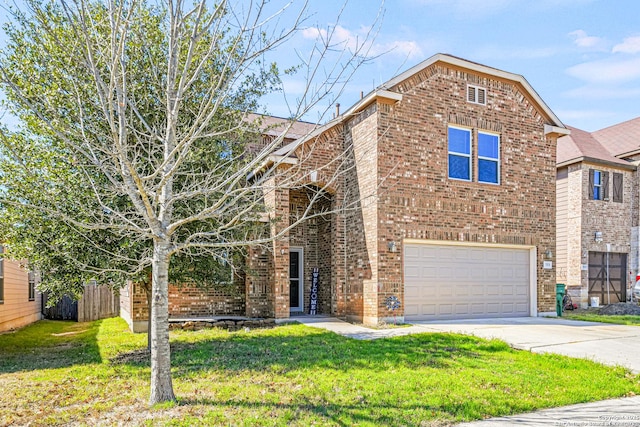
606 343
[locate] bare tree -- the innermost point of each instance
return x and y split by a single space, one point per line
135 124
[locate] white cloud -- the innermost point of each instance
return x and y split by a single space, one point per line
404 48
607 71
629 45
341 37
585 41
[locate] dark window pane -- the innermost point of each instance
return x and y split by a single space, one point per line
294 293
294 263
488 171
596 193
459 167
460 141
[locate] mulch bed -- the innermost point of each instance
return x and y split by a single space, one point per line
621 308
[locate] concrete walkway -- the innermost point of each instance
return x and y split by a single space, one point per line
614 413
606 343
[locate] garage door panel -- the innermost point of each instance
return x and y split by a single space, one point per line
477 290
413 252
459 282
462 309
493 308
477 309
492 290
411 310
508 290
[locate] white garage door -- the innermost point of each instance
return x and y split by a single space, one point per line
457 282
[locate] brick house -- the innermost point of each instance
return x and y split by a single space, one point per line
597 210
20 303
443 199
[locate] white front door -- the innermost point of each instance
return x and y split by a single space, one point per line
296 280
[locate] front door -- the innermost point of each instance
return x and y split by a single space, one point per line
296 280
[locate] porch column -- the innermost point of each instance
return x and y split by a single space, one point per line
277 200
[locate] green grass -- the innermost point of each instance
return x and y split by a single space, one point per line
605 318
289 375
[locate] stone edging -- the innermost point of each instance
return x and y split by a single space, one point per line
229 324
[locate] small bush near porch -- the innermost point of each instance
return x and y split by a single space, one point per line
55 373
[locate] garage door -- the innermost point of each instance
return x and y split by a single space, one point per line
457 282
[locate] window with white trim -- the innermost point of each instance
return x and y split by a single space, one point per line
488 158
459 153
476 95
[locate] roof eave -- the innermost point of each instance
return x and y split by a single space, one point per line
556 131
586 159
270 161
462 63
376 95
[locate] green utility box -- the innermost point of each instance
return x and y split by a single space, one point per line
560 291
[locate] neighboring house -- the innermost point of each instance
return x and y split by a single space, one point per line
597 212
20 303
443 196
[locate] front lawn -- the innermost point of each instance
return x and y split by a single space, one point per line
593 316
55 373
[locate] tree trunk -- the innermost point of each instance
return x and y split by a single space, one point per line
161 385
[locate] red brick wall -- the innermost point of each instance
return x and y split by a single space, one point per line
186 301
418 201
259 290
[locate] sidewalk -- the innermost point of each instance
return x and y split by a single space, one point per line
623 412
614 413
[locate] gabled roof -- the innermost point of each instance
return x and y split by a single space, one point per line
582 146
274 126
621 139
479 68
386 93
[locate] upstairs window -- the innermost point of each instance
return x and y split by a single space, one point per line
477 95
598 185
459 153
488 158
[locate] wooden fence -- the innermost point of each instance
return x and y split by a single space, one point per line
97 302
65 309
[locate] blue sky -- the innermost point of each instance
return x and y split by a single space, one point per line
581 56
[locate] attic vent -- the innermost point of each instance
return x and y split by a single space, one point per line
477 95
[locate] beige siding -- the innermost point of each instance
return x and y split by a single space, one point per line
16 310
562 189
